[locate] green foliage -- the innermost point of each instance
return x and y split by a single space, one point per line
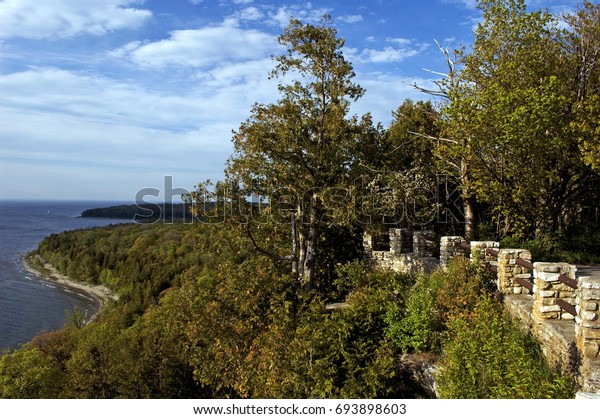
28 374
409 136
487 355
324 353
484 353
583 41
235 325
582 248
300 152
520 109
432 302
233 309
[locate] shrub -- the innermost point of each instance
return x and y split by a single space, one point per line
435 299
487 355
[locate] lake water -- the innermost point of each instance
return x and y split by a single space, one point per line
28 304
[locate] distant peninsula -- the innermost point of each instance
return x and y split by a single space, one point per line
146 212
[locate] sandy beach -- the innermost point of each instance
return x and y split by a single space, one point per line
99 293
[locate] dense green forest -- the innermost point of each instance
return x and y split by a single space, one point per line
235 303
201 314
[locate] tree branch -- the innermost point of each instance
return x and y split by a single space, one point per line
429 137
264 251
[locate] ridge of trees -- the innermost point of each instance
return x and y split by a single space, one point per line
203 315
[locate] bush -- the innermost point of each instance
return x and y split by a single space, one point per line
435 299
487 355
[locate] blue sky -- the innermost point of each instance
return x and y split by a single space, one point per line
102 98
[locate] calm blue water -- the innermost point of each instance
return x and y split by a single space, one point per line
29 305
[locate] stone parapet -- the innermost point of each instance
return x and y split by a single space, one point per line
424 244
401 240
367 243
509 270
479 253
405 263
587 322
548 289
450 247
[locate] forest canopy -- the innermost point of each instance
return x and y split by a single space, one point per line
237 303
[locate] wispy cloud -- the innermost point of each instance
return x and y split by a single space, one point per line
350 18
402 49
203 47
386 55
91 123
469 4
249 13
306 13
36 19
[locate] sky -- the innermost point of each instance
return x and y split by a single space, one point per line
105 99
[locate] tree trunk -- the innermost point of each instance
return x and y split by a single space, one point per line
310 245
468 202
294 247
469 210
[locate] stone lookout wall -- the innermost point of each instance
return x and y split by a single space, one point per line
406 251
559 308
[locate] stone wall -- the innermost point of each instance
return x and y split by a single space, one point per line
409 252
570 343
509 270
587 330
450 247
548 289
425 244
479 251
401 241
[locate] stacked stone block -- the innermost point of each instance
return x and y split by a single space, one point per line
587 322
401 241
367 244
548 289
450 247
478 252
424 244
509 270
399 258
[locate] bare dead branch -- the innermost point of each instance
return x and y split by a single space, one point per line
430 137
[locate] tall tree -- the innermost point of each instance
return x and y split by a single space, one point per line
509 120
453 144
299 152
400 182
583 46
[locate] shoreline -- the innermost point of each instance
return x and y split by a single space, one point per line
98 293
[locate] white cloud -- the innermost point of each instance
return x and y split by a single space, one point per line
469 4
379 56
399 41
350 18
249 13
306 13
36 19
85 124
243 1
387 55
125 49
201 47
385 92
